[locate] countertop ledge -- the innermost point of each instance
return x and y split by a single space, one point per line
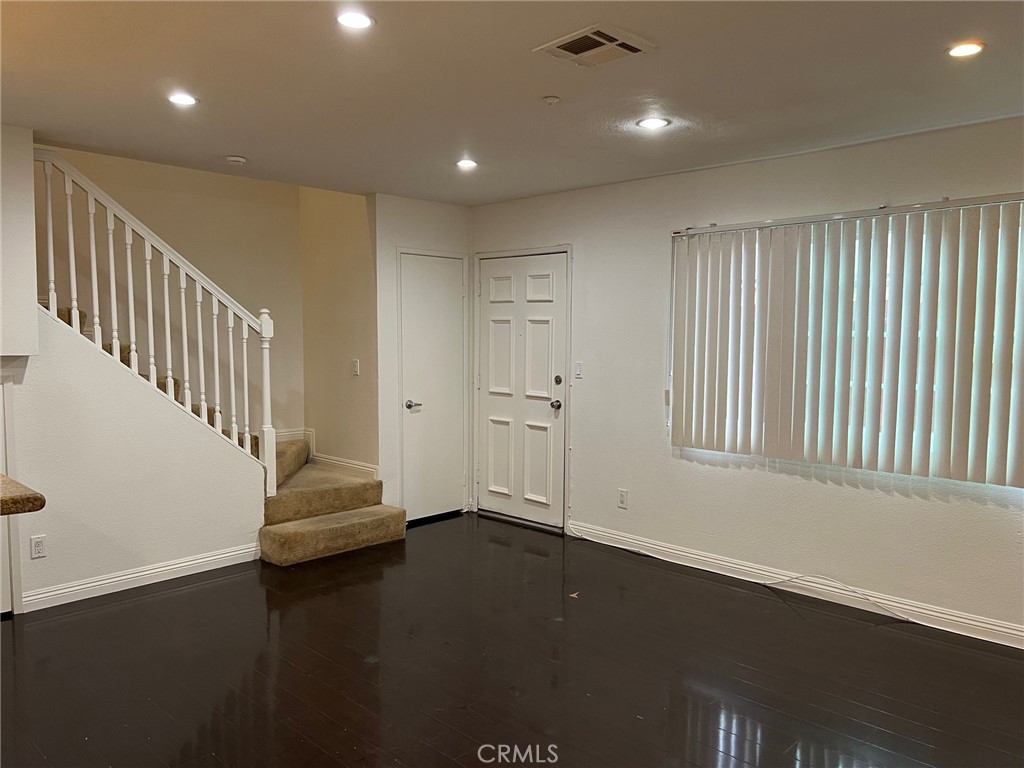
16 498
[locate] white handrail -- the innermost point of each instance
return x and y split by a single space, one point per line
48 155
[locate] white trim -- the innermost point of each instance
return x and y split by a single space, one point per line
137 577
359 467
993 630
300 433
308 434
8 381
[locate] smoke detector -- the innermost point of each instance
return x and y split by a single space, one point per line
596 45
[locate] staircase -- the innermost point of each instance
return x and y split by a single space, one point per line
320 510
311 510
175 388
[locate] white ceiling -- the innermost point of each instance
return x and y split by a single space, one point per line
392 108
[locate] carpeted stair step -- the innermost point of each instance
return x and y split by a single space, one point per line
125 350
64 314
197 409
320 490
291 457
225 422
161 383
330 534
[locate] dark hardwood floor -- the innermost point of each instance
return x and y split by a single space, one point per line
474 632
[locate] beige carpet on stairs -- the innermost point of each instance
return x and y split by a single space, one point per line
321 510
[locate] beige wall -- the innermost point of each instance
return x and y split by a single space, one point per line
241 233
935 547
340 319
19 333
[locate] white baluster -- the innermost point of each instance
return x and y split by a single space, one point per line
133 354
247 438
231 374
149 313
216 365
50 274
115 344
97 332
202 361
186 391
69 189
169 384
268 437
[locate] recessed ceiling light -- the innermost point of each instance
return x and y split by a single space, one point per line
971 48
466 164
235 160
653 123
182 99
355 20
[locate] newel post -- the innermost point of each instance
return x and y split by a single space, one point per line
268 437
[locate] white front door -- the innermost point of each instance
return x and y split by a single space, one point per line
433 385
522 384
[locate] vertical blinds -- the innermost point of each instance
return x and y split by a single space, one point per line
890 342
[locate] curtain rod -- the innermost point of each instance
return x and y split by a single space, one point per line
882 210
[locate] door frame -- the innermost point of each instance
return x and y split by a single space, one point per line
564 249
466 378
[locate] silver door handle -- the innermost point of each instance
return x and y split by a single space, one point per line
556 404
410 404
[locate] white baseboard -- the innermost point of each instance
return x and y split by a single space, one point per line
981 627
309 435
300 433
357 467
136 577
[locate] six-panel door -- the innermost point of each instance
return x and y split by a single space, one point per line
522 385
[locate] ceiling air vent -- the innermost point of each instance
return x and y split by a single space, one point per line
596 45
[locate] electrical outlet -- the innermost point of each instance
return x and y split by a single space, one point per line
37 546
623 498
355 367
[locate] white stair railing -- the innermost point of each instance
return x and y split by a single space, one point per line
82 196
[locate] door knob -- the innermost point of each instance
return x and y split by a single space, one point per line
556 404
410 404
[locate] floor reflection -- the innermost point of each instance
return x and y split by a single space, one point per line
473 633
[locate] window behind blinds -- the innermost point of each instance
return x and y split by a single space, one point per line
890 342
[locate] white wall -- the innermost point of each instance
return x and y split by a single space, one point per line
414 225
142 493
955 554
18 329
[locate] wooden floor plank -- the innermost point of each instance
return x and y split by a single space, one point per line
474 632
